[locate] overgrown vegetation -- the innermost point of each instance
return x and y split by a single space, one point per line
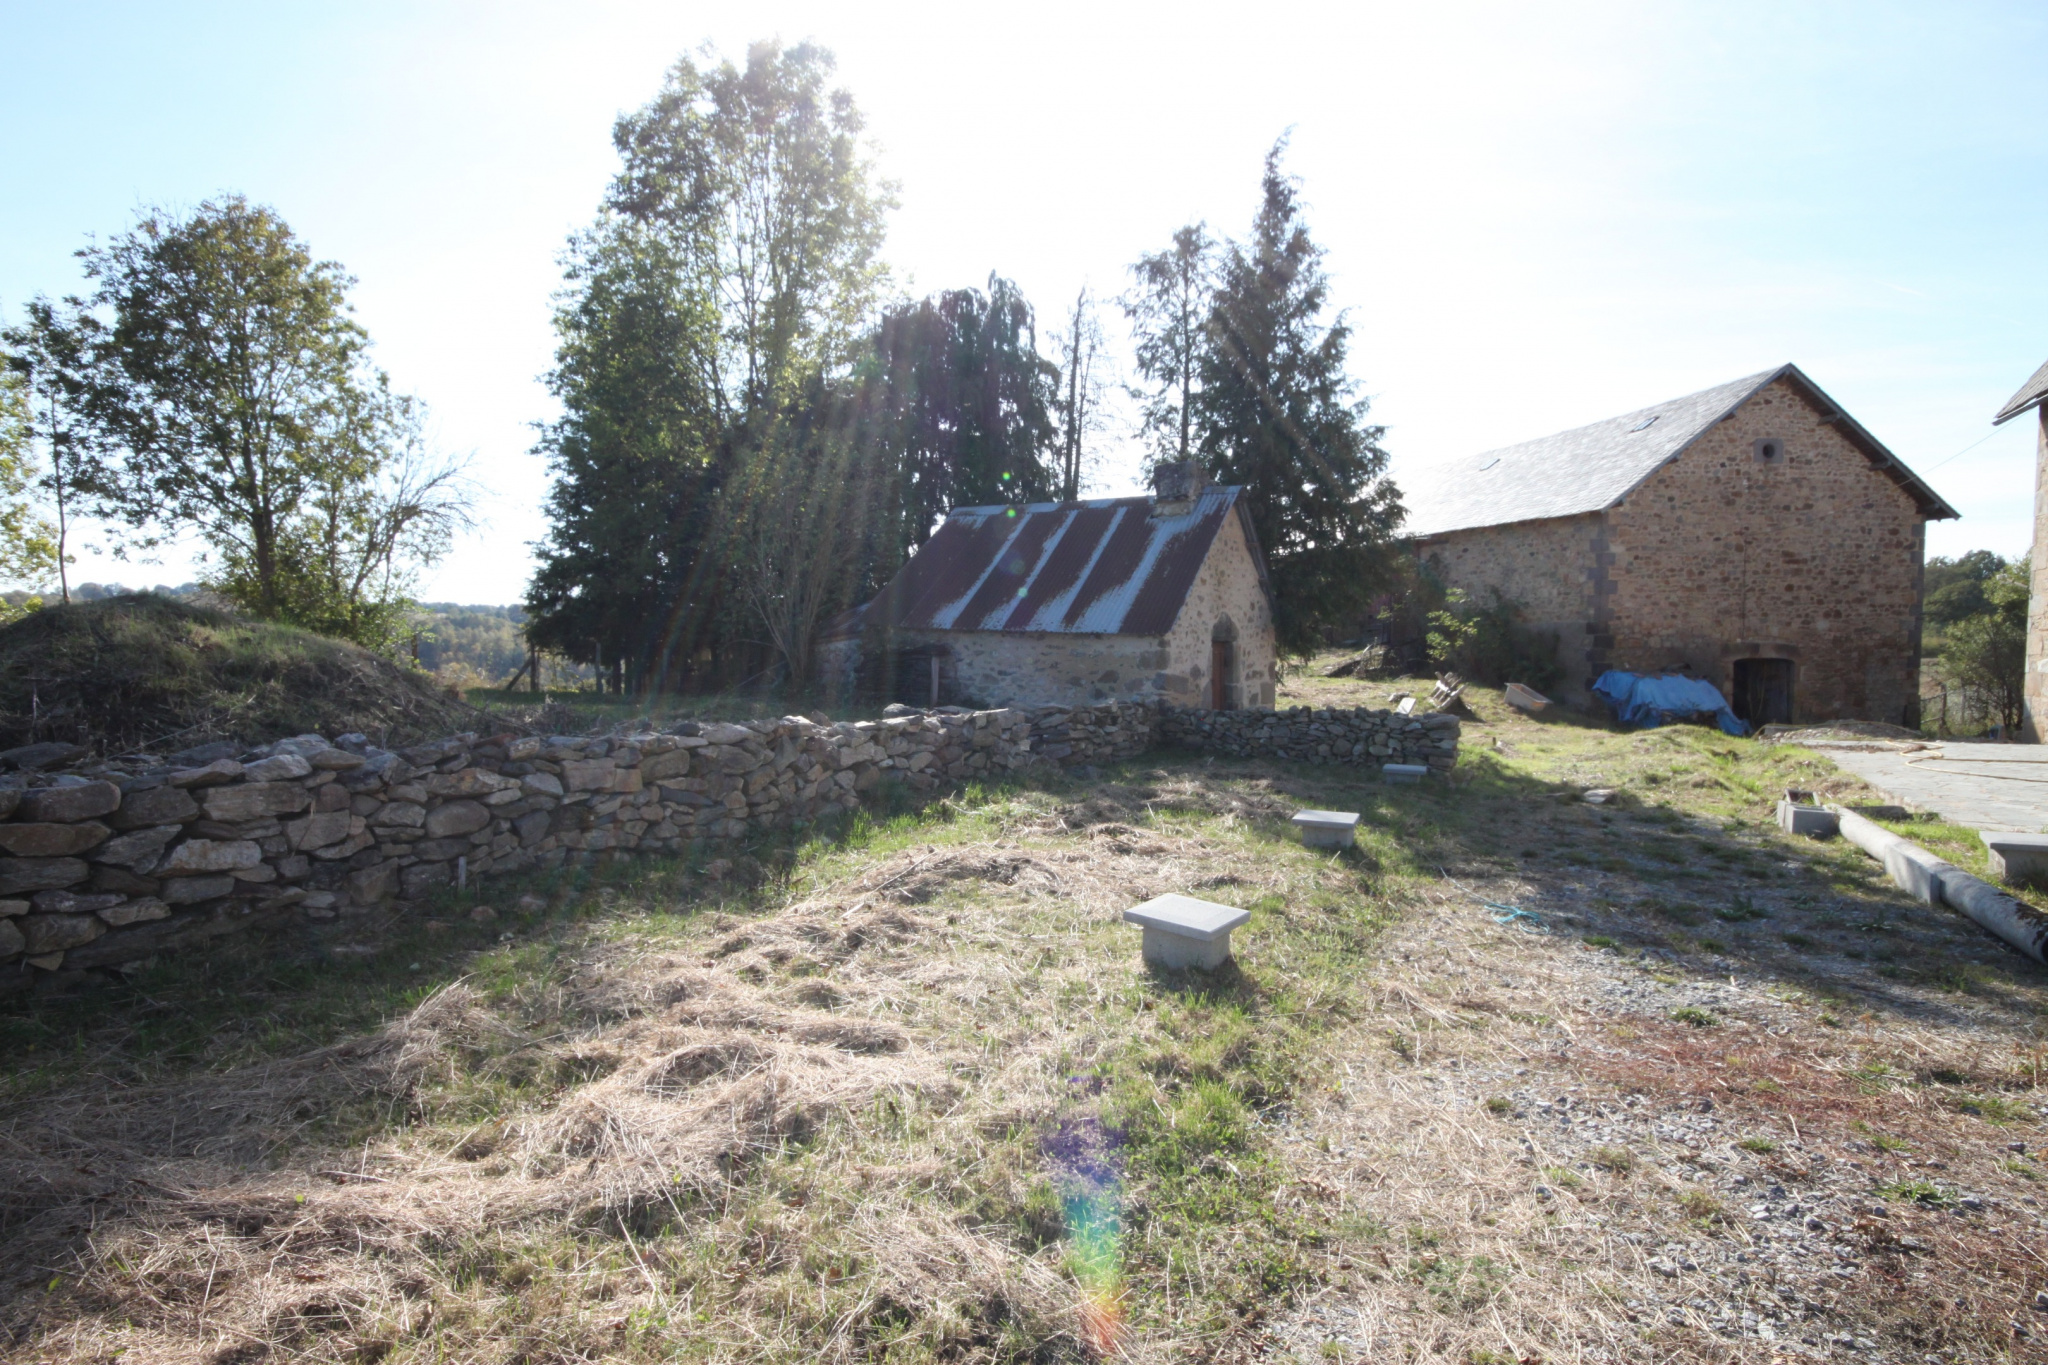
151 671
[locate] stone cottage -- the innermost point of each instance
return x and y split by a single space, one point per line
1161 598
1753 534
2033 397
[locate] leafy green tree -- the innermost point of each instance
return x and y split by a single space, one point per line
1168 306
734 263
1987 652
1275 412
227 394
45 356
1954 588
28 541
959 401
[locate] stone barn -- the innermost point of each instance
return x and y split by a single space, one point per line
1160 598
1754 535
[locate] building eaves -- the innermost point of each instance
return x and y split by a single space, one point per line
2030 395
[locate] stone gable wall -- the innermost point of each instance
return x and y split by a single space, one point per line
112 865
1816 559
1716 557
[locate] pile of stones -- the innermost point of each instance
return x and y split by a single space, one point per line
1314 735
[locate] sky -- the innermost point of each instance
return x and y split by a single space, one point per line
1534 216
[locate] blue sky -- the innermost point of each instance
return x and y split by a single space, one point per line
1536 215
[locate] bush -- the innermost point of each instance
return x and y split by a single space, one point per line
1489 644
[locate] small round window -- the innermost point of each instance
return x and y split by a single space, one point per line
1770 450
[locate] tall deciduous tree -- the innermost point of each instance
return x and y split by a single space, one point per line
733 264
1168 306
1275 412
1078 352
227 394
961 403
28 541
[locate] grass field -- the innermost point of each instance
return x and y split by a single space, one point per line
1520 1078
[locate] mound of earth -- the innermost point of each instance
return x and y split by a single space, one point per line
144 671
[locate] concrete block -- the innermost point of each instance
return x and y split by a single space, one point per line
2016 858
1327 828
1400 773
1182 932
1815 822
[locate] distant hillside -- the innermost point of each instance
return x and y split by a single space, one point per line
488 639
151 671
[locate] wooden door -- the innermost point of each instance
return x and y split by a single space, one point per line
1222 666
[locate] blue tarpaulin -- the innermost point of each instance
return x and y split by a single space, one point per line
1645 702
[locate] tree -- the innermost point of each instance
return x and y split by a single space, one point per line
348 562
962 405
1987 653
1274 412
226 393
28 542
1168 306
1077 351
1954 588
46 357
733 264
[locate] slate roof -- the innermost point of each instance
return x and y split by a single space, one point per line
1104 566
1591 468
2030 395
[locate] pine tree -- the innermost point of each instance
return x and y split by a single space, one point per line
1275 412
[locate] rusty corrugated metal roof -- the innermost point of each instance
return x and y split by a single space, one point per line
1106 566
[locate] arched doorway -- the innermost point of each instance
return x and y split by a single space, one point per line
1223 692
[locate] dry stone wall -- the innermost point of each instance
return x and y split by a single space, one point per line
1311 735
109 866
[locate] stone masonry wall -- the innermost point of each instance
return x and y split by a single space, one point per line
1816 559
1305 735
1544 567
112 865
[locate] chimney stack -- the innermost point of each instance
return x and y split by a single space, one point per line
1175 486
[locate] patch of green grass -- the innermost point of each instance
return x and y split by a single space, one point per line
1700 1205
1919 1192
1884 1142
1613 1160
1500 1105
1758 1145
1602 941
1563 1176
1695 1016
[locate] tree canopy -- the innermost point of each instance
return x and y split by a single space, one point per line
217 386
1275 411
751 439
